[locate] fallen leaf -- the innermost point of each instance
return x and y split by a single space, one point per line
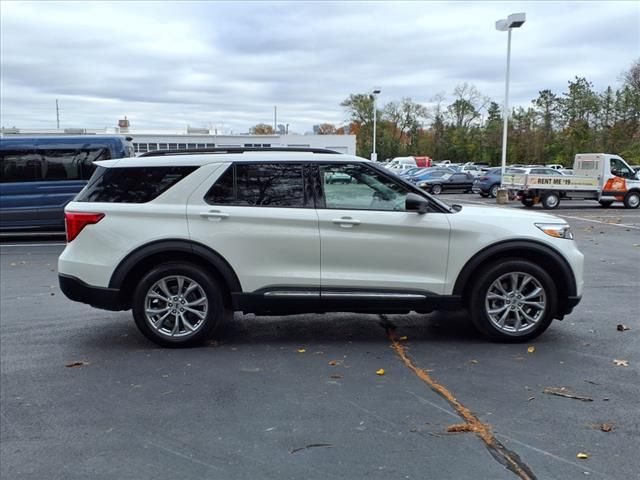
333 363
301 350
403 338
621 363
380 372
474 362
565 392
582 455
76 364
606 427
531 349
336 376
12 264
621 328
530 398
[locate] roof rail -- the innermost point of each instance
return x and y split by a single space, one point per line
220 150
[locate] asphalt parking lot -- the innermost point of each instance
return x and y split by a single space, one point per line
301 397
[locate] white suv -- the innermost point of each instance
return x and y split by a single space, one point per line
184 240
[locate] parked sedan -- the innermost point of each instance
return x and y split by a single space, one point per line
448 181
428 173
411 172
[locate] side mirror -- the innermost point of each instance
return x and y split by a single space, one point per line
416 203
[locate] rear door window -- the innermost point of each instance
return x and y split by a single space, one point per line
261 185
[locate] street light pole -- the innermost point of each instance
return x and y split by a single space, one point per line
505 112
375 91
515 20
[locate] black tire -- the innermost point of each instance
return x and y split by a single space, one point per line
479 303
493 191
484 195
204 324
527 202
606 203
632 199
550 200
436 189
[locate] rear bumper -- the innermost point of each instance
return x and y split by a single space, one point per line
99 297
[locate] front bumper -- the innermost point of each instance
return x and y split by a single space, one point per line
99 297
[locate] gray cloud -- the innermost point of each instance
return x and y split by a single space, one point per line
166 64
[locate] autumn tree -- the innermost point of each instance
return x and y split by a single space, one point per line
467 126
262 129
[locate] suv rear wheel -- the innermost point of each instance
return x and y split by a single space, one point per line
177 304
513 301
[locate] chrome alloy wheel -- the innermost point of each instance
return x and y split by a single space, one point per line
515 302
176 306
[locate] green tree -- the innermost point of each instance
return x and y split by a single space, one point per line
360 110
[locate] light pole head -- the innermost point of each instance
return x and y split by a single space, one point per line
376 91
515 20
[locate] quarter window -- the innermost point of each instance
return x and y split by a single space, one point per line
131 184
260 185
358 187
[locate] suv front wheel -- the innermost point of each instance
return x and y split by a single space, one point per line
514 301
177 304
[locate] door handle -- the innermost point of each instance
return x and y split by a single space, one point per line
346 222
214 215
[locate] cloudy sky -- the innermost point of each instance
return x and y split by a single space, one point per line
226 64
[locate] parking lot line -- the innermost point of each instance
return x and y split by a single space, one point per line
32 245
598 221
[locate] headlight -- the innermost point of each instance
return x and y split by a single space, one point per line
423 184
557 230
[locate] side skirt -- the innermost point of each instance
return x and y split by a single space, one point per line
290 301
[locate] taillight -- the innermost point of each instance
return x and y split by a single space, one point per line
75 222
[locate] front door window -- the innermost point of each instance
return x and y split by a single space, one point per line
358 187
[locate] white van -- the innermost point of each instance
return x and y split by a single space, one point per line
401 163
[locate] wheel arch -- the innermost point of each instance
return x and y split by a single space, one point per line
138 262
537 252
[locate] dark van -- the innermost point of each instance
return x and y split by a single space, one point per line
40 175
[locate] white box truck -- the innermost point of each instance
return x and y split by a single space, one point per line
603 177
